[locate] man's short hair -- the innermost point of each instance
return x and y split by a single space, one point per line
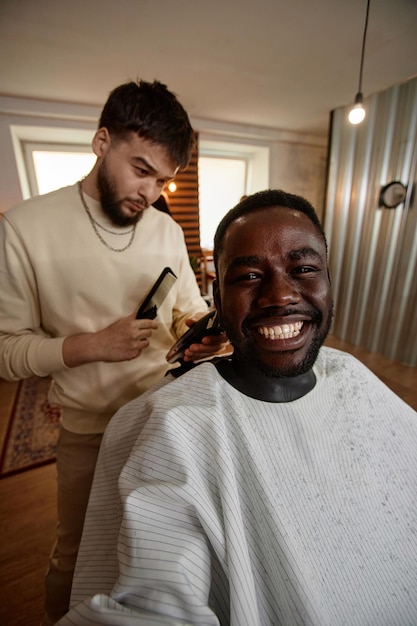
262 200
154 113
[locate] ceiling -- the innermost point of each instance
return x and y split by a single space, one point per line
281 64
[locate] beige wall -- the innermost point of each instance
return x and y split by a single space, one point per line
301 169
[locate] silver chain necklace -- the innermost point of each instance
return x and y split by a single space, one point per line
96 226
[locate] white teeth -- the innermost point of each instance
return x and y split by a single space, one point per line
286 331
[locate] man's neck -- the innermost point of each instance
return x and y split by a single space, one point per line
89 186
253 383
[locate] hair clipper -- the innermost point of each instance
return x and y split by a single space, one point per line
207 325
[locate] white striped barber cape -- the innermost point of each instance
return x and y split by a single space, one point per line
209 507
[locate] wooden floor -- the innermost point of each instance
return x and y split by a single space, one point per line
27 509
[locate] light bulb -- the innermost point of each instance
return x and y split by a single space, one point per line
172 186
356 114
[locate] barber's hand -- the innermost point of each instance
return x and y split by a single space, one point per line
210 346
125 339
121 341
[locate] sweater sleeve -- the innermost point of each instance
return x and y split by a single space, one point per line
25 348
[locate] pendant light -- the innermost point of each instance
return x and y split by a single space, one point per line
357 112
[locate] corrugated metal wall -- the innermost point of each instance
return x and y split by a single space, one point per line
373 250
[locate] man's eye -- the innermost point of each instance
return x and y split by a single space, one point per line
141 171
305 269
246 276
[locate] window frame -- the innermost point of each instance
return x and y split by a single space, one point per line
29 147
28 138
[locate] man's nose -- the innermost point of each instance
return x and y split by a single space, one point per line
280 290
149 189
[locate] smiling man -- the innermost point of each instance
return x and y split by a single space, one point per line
274 486
273 296
75 265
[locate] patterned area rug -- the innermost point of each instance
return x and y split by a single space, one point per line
33 428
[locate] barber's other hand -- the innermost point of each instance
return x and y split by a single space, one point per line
210 346
121 341
125 339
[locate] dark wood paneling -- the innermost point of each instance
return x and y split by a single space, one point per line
184 206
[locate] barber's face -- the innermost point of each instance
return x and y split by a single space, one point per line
274 294
131 175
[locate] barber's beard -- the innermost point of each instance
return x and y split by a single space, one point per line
109 203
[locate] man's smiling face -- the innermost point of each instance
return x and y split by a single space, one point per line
274 294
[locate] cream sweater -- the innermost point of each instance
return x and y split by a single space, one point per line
58 279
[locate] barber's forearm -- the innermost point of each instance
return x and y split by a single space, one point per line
81 349
28 354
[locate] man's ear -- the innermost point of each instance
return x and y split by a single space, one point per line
101 142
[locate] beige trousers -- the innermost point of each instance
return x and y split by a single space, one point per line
76 460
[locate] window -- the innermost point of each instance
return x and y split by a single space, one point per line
50 167
222 182
48 158
227 170
59 167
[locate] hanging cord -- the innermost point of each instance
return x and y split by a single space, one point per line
363 46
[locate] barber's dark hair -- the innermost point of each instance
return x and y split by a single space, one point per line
154 113
262 200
